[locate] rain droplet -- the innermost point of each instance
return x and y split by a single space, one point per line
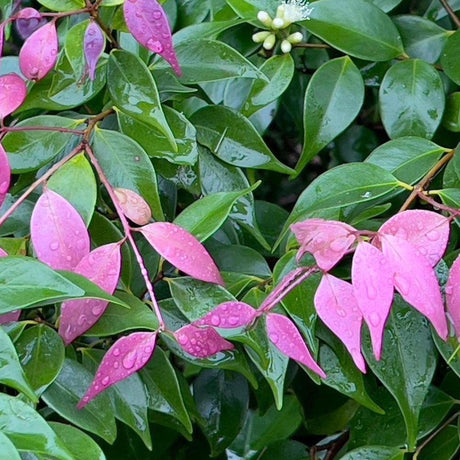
54 246
97 309
274 338
402 284
116 352
81 320
374 319
130 359
341 312
215 320
182 339
105 381
433 235
371 292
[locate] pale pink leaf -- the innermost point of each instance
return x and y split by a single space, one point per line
453 295
102 267
125 357
13 91
415 280
428 231
201 342
28 21
182 250
148 23
338 309
58 232
134 207
372 279
228 315
328 241
3 253
12 316
93 45
5 174
39 52
2 38
286 337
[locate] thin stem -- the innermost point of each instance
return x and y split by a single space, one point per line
128 232
423 196
311 45
451 13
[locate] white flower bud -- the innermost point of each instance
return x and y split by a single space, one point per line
269 42
278 23
280 11
286 47
264 18
259 37
295 38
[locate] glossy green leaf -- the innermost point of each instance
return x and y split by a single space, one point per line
65 393
74 49
449 58
209 30
451 177
385 5
451 120
294 450
444 446
451 197
41 352
375 452
127 166
7 448
233 139
333 99
412 99
250 8
449 351
63 5
357 28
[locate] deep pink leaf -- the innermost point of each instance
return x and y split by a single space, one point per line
28 21
148 23
5 174
337 307
58 232
3 253
134 207
286 337
426 230
102 267
183 250
13 91
327 240
228 315
2 38
12 316
415 280
125 357
453 295
201 342
93 45
39 52
372 278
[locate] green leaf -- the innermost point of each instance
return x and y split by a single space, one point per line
11 372
293 450
134 92
444 446
233 139
451 177
412 99
451 197
333 99
385 5
28 431
250 8
449 351
66 391
30 150
63 5
451 120
41 352
449 58
127 166
75 182
7 448
357 28
408 362
241 259
375 452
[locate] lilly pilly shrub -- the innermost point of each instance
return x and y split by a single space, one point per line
229 221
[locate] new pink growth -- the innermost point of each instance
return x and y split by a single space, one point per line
38 55
453 295
134 207
182 250
415 280
338 309
93 44
201 342
228 315
28 20
58 232
102 267
328 241
125 357
286 337
13 91
12 316
2 38
148 23
372 280
5 174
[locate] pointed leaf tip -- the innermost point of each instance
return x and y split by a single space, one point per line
93 46
134 207
201 342
5 174
125 357
286 337
228 315
453 295
13 91
182 250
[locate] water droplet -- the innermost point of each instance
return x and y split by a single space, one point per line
374 319
130 359
54 245
215 320
157 14
81 320
449 290
402 284
116 352
105 381
68 258
433 235
182 339
274 338
233 320
337 245
371 292
97 309
116 364
341 312
154 45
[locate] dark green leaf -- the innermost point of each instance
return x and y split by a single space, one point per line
449 351
385 5
444 446
375 453
449 58
293 450
451 177
451 120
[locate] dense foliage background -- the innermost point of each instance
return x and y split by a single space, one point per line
355 120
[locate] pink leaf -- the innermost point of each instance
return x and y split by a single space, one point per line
327 240
149 25
228 315
372 278
94 44
58 232
125 357
28 21
12 316
13 91
337 307
2 38
183 250
286 337
102 267
201 342
426 230
134 207
5 174
415 280
453 295
3 253
39 53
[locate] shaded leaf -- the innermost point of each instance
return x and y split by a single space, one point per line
449 60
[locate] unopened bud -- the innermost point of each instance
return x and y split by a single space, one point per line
295 38
280 11
259 37
264 18
269 42
286 47
278 23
